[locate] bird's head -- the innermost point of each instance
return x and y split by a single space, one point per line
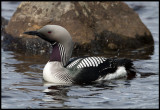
52 33
59 37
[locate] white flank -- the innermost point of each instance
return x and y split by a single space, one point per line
119 73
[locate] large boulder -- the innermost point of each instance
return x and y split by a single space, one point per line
94 26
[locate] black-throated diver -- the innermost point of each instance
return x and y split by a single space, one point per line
80 70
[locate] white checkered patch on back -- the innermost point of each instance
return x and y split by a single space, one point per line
91 62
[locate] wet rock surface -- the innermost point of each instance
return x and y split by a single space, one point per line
94 26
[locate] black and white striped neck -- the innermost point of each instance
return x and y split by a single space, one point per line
58 53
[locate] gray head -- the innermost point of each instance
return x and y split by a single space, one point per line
60 39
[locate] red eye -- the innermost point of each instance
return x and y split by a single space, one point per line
49 32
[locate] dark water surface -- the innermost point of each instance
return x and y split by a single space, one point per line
22 85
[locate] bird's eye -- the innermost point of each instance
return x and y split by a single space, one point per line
49 32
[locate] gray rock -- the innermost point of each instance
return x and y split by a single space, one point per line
94 26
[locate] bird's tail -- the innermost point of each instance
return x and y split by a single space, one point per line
115 63
128 64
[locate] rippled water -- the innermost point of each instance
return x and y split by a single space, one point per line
23 87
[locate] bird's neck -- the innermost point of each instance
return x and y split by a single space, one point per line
61 53
55 55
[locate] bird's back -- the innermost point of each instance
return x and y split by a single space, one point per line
85 70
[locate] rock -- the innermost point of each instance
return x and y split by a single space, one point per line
94 26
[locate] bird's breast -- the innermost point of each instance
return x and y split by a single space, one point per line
54 72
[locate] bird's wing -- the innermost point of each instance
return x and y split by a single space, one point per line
86 62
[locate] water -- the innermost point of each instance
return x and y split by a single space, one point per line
22 85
